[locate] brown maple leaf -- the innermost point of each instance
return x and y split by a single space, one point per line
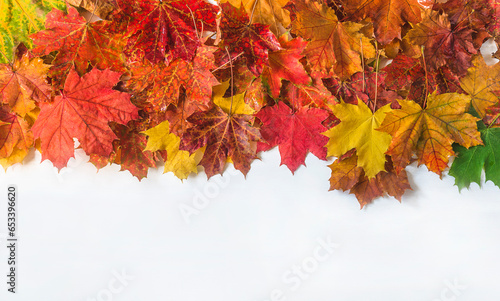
443 44
225 136
347 175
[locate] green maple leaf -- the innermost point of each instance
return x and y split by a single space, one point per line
469 163
19 19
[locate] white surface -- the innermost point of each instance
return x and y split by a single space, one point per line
79 228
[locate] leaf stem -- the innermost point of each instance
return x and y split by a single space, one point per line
363 64
426 78
253 10
232 82
221 66
376 78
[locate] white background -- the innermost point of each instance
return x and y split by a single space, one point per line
79 228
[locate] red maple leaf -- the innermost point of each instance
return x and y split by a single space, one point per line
82 111
407 76
162 83
253 40
224 136
285 64
159 27
77 42
296 133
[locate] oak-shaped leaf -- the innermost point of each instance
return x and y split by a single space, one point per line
296 132
388 15
430 132
83 111
358 129
224 136
469 163
335 48
253 40
23 82
78 43
161 27
443 44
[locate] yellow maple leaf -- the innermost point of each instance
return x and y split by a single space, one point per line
269 12
180 162
358 129
480 82
17 156
238 107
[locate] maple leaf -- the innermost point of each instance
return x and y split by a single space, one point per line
469 163
443 45
253 40
78 42
367 86
224 136
15 136
347 175
475 14
335 48
430 131
230 105
388 15
24 82
82 111
129 149
161 27
315 95
358 129
480 83
180 162
162 83
101 8
295 131
267 12
284 64
408 77
19 19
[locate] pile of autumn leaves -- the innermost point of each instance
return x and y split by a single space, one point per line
191 84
